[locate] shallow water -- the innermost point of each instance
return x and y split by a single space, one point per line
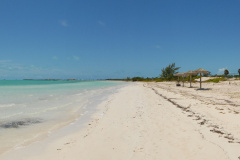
31 109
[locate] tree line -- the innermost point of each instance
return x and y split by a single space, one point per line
167 75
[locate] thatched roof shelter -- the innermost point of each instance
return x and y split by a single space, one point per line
183 74
190 73
200 70
177 75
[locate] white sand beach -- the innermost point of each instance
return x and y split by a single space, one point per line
151 121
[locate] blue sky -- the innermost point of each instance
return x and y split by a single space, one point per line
92 39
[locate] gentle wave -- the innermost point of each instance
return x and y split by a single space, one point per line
30 108
7 105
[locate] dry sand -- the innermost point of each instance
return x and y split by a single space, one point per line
152 121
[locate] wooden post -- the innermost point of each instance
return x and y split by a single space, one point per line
200 80
190 81
183 80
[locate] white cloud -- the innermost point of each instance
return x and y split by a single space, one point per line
12 70
55 57
221 70
10 65
4 61
158 46
101 23
76 58
64 23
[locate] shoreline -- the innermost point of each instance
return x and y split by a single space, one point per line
21 133
151 121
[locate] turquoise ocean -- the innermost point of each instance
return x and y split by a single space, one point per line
31 109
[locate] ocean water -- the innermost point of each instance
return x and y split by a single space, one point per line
31 109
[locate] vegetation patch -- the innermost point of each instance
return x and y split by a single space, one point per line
216 80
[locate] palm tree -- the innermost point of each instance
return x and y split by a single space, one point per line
226 72
167 73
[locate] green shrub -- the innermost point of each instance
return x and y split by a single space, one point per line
137 79
216 80
195 77
160 80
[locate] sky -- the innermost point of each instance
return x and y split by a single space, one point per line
99 39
